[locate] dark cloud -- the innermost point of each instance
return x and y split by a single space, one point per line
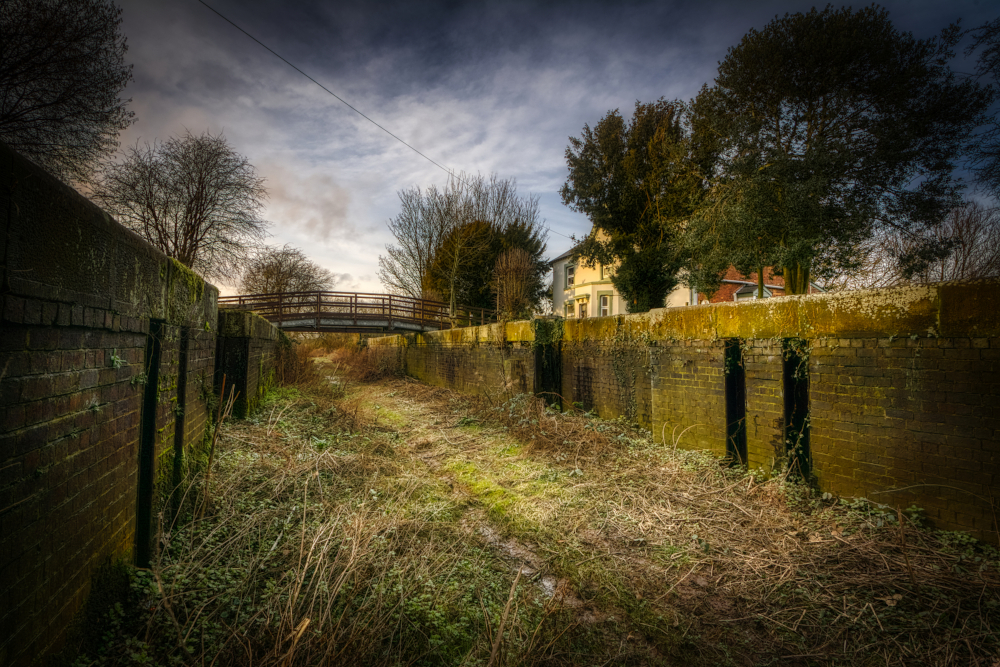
477 86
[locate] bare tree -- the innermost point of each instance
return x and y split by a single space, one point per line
972 231
284 270
512 282
193 197
448 239
419 229
62 70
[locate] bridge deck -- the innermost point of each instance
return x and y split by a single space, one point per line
355 312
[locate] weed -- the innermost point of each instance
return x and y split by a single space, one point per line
392 523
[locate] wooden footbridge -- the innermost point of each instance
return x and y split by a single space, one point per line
353 312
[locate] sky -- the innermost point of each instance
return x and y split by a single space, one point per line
478 87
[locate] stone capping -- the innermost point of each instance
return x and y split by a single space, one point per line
969 308
245 324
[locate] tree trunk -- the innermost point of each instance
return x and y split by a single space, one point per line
796 279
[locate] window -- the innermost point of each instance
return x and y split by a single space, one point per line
583 309
569 309
570 273
605 305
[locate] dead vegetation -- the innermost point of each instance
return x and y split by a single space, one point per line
391 523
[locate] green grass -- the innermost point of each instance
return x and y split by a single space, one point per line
395 518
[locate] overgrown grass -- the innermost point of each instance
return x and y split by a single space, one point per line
368 364
391 523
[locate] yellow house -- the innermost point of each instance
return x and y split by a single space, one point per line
584 291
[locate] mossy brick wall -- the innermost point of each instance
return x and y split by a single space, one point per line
902 386
493 359
688 393
81 302
609 378
910 421
198 383
765 416
247 355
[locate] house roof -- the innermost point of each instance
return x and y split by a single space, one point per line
562 256
751 288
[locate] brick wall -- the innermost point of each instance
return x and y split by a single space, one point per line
914 414
107 362
688 394
888 394
762 362
247 354
612 379
487 359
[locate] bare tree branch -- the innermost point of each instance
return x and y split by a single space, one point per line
194 198
62 70
973 231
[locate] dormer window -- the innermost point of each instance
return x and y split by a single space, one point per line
748 292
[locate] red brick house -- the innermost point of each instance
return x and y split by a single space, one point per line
737 287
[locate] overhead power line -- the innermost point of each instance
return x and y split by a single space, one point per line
350 106
341 99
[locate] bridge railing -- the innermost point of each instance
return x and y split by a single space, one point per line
356 309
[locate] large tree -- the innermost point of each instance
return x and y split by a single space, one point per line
637 181
454 270
833 125
284 270
448 240
62 71
419 229
193 197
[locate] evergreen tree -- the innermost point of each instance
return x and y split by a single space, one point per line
637 182
831 125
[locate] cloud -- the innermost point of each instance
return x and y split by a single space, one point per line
315 203
345 282
478 87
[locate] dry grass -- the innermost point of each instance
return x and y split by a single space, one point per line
368 364
768 567
391 523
